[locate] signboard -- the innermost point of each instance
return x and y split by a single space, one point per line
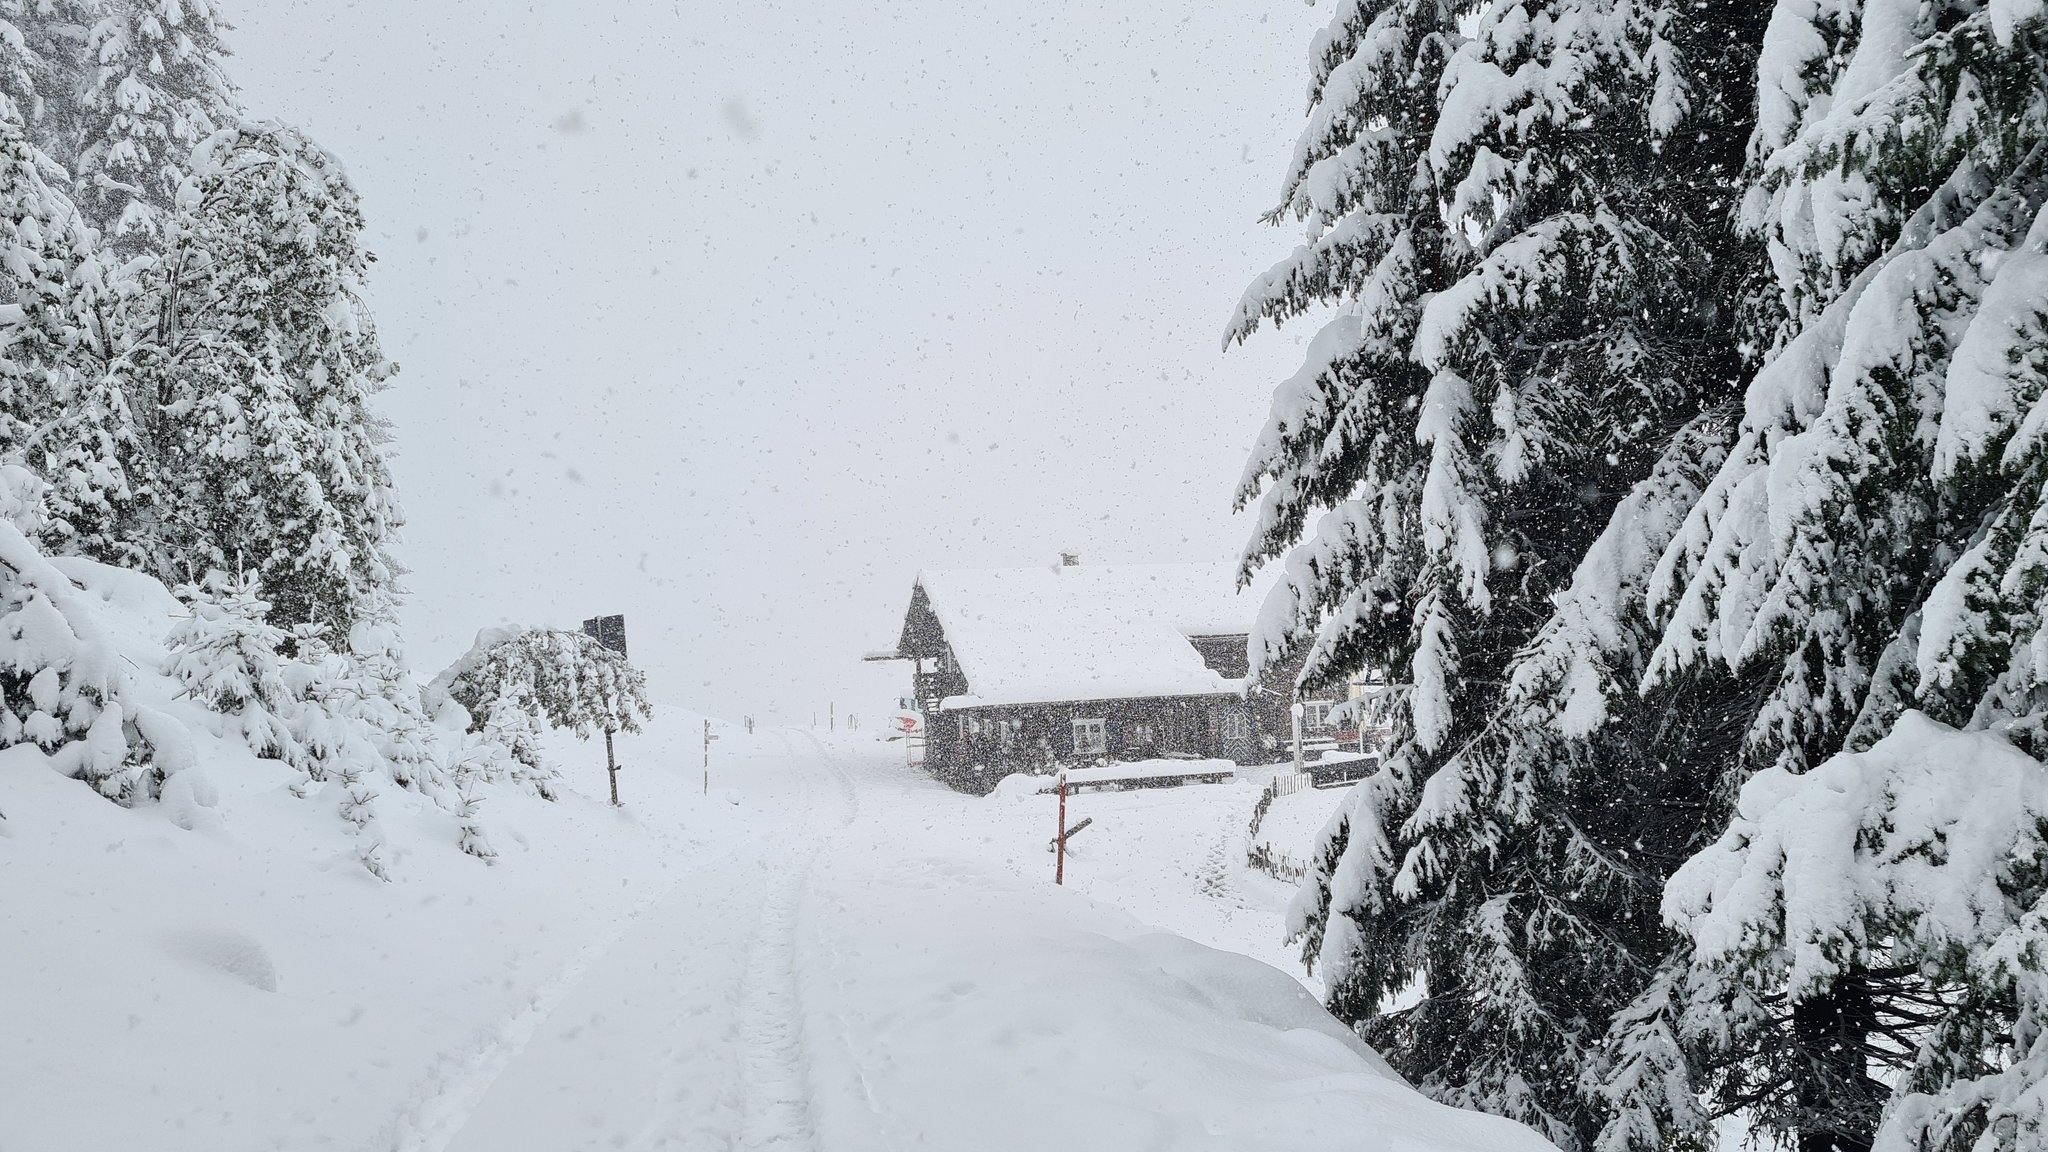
609 631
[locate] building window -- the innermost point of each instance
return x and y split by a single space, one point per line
1091 738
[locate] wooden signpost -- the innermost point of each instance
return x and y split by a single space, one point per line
611 765
609 631
1059 868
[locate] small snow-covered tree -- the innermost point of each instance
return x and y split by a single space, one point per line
512 680
154 89
331 744
226 653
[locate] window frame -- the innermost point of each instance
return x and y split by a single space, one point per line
1096 728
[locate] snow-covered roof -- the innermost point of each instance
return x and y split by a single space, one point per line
1087 632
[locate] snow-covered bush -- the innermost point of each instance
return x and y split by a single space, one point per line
225 653
63 685
347 721
513 680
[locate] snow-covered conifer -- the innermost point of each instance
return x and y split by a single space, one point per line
226 654
1866 549
44 72
1522 213
512 680
61 409
257 364
153 90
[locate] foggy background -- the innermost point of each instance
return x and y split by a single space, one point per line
731 316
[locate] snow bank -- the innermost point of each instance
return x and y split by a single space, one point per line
1140 770
217 970
1038 1019
1294 823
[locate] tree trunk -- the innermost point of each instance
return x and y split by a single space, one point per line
1837 1099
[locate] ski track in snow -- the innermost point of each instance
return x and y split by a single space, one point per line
458 1083
776 1069
769 1099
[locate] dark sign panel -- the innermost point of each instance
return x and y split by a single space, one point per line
609 631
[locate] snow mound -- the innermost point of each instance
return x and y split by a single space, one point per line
1293 825
1241 987
228 951
1089 1030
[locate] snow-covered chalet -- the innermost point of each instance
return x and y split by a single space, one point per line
1021 669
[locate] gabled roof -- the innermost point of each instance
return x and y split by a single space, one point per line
1081 632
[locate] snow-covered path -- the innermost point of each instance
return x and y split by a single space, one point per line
838 975
828 952
685 1033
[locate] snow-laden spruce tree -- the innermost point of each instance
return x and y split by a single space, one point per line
513 680
1869 547
1523 215
61 411
226 654
152 89
331 745
256 363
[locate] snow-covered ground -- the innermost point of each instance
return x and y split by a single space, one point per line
827 951
1295 821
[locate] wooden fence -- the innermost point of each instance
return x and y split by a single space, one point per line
1278 865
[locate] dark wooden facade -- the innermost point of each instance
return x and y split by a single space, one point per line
972 748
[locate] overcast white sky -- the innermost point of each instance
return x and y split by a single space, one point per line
730 316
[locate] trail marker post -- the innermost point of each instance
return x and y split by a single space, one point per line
708 738
1059 868
611 766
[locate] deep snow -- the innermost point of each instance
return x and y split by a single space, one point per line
825 951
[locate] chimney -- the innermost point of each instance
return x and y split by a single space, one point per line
1070 559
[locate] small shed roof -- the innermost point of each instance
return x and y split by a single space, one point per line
1083 632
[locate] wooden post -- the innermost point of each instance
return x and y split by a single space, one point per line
707 756
611 765
1059 868
1297 710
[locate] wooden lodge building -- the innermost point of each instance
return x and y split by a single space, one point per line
1029 669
